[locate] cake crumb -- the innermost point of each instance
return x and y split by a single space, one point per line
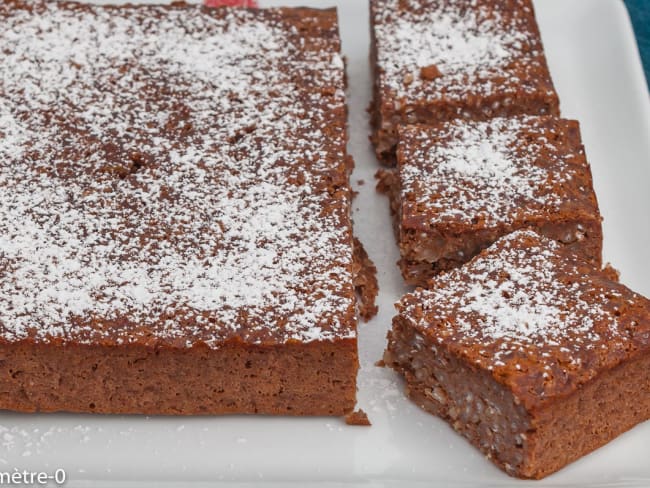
361 182
358 417
430 72
611 272
386 178
365 282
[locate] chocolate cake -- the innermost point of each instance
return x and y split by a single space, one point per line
175 211
529 352
435 60
461 185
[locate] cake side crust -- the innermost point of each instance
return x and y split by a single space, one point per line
316 378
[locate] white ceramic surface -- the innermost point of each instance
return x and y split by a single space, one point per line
597 72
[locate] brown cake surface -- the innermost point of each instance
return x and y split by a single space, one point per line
529 352
461 185
435 60
175 211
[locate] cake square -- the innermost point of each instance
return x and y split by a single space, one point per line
462 184
176 233
530 353
435 60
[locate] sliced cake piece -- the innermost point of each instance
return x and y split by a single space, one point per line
435 60
174 211
527 351
462 184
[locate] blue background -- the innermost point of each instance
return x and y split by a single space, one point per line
640 14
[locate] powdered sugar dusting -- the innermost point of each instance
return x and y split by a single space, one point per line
524 306
487 172
471 45
520 298
166 170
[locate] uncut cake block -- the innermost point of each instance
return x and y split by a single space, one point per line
175 212
462 184
435 60
528 352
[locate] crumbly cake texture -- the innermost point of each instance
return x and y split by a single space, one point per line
435 60
529 352
358 417
461 185
365 282
175 178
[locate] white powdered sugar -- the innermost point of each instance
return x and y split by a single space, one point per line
163 174
519 294
470 45
490 172
508 310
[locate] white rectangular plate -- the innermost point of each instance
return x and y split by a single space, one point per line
596 68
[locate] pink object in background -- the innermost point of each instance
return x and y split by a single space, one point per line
231 3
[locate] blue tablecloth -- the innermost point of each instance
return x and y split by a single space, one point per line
640 13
